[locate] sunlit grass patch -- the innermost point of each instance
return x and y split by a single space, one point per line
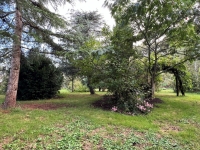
82 134
173 124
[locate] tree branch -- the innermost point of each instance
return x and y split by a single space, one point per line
5 14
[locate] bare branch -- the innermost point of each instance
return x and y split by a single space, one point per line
5 14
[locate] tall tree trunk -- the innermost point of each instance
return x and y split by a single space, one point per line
181 85
154 72
177 85
99 88
72 84
90 87
91 90
153 86
11 93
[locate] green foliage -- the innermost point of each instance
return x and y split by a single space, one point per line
39 78
161 28
38 22
167 81
3 84
124 71
194 70
81 88
176 67
89 62
86 26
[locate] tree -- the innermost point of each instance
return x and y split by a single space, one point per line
87 27
164 28
180 72
194 69
124 71
39 78
69 70
87 63
33 24
86 24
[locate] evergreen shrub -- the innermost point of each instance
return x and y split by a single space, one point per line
39 78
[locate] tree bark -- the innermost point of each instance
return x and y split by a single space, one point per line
177 85
181 85
90 87
91 90
72 84
153 86
11 93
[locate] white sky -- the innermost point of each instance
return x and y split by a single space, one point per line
89 5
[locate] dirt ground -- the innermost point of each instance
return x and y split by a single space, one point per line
107 104
44 106
103 103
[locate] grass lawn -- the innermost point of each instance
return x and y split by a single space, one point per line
173 124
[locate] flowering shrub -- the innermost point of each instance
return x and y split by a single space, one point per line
114 108
144 107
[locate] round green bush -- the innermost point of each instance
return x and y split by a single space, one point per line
38 79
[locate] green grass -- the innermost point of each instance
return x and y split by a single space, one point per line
172 124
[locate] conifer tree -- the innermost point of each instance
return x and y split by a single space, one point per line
25 23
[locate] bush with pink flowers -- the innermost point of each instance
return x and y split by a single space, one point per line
144 107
